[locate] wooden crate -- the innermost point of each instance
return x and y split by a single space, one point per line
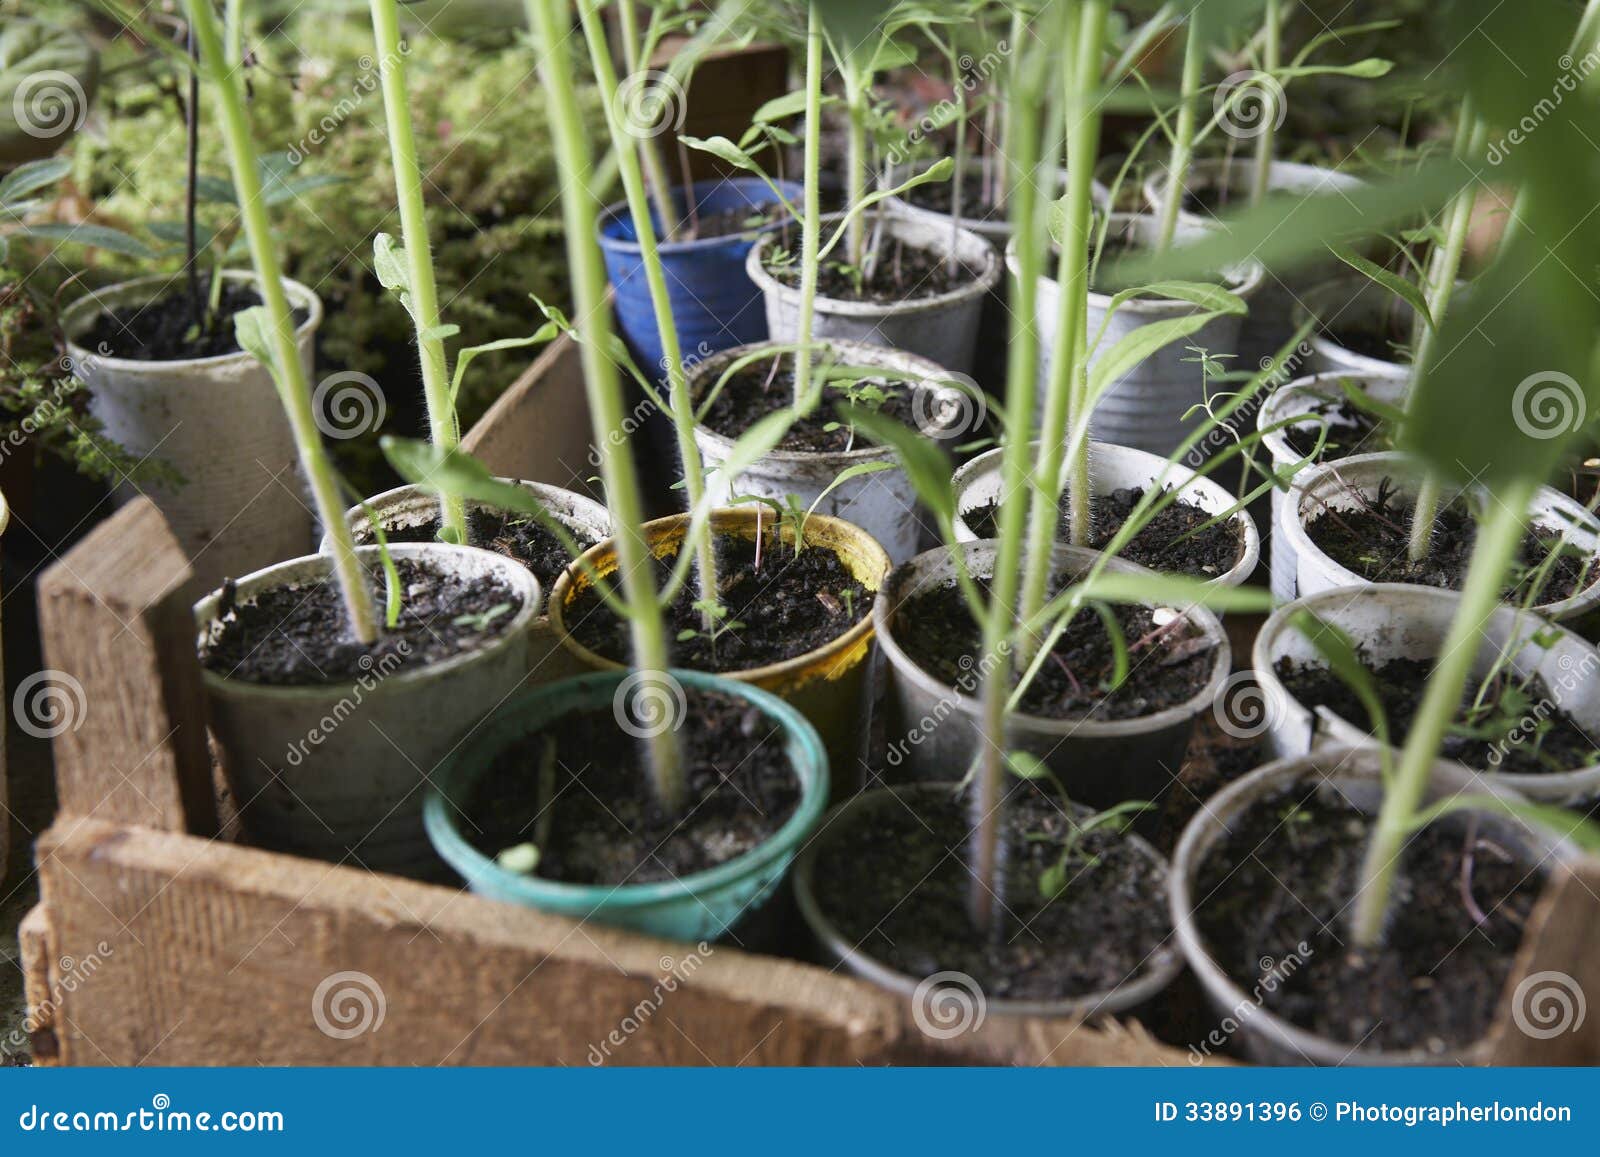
160 941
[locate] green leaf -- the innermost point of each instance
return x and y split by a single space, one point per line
549 331
1201 293
781 108
388 262
31 177
724 150
440 332
213 190
1405 290
1340 652
1025 765
1139 345
845 475
278 191
1369 69
252 329
93 236
1170 590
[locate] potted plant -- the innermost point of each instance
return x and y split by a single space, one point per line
292 651
700 233
668 743
1017 643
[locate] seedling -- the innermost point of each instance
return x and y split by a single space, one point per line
481 620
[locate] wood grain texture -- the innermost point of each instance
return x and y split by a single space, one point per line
39 959
1550 1014
216 954
539 428
115 621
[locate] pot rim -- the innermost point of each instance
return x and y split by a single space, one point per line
1166 960
1240 172
992 229
1542 785
860 352
77 315
386 501
801 743
726 520
518 576
1276 407
1180 478
620 209
979 251
1405 469
1198 837
907 668
1246 278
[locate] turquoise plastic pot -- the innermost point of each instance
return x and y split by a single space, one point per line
694 908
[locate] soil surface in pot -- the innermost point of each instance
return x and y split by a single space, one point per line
894 884
297 635
520 538
1516 729
1167 543
936 198
168 330
1350 430
1374 542
1167 664
587 805
764 388
1284 877
1106 279
1382 339
787 605
902 273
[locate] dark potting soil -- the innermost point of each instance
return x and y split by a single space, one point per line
1291 865
764 388
167 330
728 222
1517 729
1161 545
1374 542
936 198
522 539
1387 342
595 820
902 273
297 636
790 604
1350 430
1167 665
894 883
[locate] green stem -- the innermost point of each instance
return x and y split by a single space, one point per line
289 372
1023 111
603 386
654 169
1271 61
811 218
678 399
1480 596
443 427
856 162
1064 402
1423 515
1183 134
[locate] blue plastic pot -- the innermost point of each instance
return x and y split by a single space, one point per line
714 303
697 907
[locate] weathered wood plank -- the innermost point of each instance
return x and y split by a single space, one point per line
539 428
117 631
216 954
39 960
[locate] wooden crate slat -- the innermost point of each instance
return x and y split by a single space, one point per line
539 428
115 619
1554 988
